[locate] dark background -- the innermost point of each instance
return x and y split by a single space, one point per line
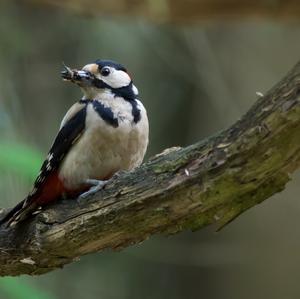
194 79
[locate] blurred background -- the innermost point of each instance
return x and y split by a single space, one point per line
195 78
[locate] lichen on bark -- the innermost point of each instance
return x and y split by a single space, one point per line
212 181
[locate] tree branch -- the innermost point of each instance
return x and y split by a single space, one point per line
183 188
181 11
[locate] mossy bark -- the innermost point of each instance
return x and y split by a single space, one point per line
212 181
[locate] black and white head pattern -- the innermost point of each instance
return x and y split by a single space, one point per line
113 76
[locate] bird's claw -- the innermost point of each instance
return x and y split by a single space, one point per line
96 185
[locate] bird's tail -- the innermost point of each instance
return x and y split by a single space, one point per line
18 213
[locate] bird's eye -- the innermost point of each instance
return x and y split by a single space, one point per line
105 71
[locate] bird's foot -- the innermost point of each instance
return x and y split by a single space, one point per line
96 185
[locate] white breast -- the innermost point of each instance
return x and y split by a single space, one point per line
103 149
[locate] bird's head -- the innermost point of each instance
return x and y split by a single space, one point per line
102 76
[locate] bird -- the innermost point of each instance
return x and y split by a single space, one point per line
105 132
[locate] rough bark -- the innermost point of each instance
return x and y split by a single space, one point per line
181 11
212 181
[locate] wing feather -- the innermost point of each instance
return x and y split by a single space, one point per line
69 133
71 129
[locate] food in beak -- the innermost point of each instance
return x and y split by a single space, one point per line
67 73
74 75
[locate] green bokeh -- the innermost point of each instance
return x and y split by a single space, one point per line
20 159
16 288
25 162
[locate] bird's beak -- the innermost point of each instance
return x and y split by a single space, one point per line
80 77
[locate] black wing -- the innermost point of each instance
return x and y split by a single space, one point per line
63 142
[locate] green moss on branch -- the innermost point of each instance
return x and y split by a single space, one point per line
212 181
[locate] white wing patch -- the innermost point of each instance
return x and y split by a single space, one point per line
71 130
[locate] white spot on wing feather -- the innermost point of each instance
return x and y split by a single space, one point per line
48 167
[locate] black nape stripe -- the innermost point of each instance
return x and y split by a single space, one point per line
85 101
126 93
106 114
136 112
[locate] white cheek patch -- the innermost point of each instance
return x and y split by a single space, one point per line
117 79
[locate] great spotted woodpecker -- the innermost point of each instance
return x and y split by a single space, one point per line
103 133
